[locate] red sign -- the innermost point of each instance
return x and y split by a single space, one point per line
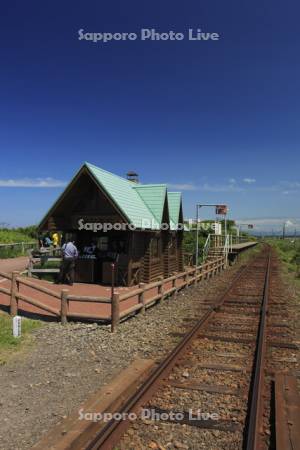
221 210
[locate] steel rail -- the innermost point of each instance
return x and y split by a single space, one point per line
255 414
109 435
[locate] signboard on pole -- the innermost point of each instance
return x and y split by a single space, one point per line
221 210
217 227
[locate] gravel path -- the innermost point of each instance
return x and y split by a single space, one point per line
66 364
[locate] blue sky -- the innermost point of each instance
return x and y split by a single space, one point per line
217 119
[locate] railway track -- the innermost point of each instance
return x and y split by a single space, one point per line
214 390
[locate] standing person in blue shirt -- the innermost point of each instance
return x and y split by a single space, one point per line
69 254
47 241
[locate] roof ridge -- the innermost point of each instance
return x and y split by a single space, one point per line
149 185
131 183
107 171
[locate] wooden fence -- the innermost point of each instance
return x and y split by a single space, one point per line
157 291
21 248
63 296
24 245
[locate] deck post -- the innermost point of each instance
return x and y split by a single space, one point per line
13 294
215 268
160 289
142 297
185 279
30 266
64 306
206 271
201 276
174 286
115 312
199 279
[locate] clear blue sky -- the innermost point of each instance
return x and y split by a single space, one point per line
219 119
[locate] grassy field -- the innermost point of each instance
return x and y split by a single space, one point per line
12 236
289 253
8 344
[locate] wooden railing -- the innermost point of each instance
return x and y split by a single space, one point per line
51 254
163 288
23 245
145 295
63 311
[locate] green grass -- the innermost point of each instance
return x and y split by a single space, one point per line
12 236
14 252
9 344
11 252
289 252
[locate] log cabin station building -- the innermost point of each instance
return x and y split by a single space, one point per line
137 226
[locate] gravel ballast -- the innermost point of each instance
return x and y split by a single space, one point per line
66 364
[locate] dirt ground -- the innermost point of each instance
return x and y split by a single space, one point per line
10 264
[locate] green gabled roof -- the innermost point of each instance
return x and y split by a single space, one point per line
174 201
154 196
126 197
141 205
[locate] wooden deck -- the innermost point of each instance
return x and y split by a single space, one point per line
243 246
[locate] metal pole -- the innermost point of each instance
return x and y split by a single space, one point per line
112 280
197 237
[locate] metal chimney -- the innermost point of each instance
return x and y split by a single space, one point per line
133 176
